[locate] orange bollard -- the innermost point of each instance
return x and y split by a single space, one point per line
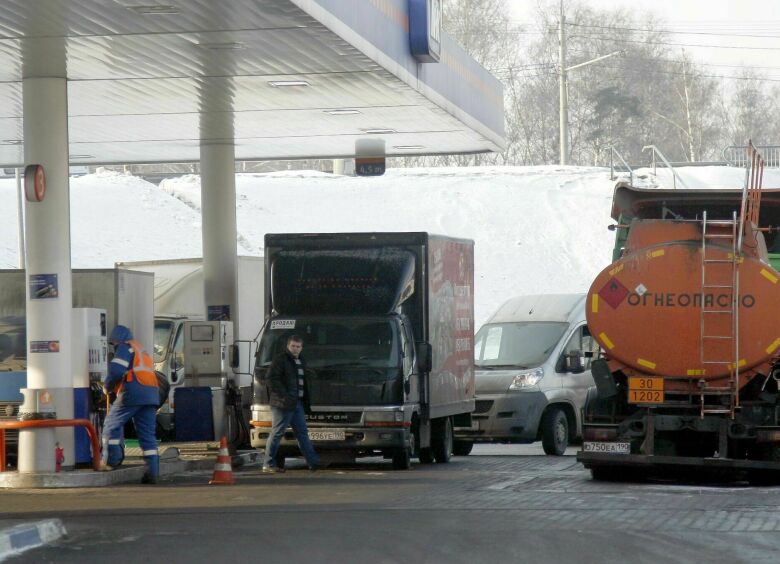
223 471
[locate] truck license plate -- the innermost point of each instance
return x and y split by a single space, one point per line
645 390
326 435
609 448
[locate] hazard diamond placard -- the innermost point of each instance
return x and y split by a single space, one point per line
613 293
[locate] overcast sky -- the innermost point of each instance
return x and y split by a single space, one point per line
716 23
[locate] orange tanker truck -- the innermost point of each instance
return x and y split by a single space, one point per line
688 318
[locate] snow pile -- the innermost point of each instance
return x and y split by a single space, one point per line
536 229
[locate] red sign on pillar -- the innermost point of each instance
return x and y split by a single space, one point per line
34 183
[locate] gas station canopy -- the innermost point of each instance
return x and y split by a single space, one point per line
151 81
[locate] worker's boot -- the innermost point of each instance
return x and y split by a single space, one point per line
152 469
116 453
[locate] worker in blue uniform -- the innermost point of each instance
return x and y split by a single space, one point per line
131 376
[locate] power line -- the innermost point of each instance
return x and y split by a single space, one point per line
662 30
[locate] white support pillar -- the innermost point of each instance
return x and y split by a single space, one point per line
47 235
218 209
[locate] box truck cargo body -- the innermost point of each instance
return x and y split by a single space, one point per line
387 325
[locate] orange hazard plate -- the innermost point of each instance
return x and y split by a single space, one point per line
645 390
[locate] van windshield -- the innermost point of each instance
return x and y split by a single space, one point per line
516 345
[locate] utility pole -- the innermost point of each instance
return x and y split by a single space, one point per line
564 85
563 98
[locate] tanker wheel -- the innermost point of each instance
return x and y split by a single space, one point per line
555 431
462 448
442 440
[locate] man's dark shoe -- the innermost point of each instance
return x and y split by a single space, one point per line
315 467
272 470
149 479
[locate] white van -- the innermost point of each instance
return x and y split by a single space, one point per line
532 361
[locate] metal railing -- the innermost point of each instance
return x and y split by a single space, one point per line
46 423
660 155
737 155
615 153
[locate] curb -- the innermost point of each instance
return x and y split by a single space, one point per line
127 474
26 536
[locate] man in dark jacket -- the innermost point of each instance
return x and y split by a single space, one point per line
287 397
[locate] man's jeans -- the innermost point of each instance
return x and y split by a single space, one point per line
295 418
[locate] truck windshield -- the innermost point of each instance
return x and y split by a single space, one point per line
162 337
350 361
335 342
523 345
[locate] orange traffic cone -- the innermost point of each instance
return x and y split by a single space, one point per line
223 471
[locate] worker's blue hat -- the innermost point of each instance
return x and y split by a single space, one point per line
120 334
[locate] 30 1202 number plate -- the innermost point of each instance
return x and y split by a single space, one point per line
645 390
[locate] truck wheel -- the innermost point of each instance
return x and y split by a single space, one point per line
402 457
462 448
442 440
555 432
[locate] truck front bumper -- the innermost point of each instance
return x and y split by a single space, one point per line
357 439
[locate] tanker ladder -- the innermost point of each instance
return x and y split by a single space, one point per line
726 273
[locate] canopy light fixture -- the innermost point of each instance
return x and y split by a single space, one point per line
11 142
378 131
155 10
409 147
222 46
286 83
343 112
81 157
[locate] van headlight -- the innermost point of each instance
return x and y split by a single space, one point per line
527 379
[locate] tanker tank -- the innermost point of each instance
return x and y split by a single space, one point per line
687 320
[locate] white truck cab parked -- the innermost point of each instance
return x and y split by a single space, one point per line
532 361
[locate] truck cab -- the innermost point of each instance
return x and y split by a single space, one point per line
168 357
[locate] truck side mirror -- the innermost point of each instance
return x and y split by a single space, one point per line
424 357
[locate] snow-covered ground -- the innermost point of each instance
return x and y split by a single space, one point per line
536 229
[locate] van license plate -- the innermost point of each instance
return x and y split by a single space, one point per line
609 448
326 435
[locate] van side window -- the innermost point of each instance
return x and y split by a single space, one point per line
582 341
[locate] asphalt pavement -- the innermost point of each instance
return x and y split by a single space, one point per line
501 504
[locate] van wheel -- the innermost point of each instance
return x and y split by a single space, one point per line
442 440
555 431
462 448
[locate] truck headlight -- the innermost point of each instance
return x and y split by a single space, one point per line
526 379
383 418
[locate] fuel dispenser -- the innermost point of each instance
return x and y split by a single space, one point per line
90 368
205 406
